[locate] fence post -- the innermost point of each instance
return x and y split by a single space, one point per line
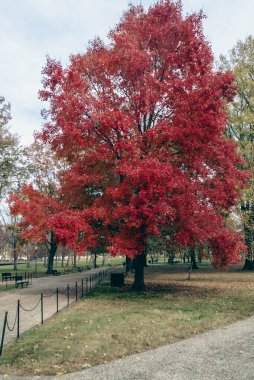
3 332
86 285
82 288
68 295
42 308
18 319
76 291
57 299
90 283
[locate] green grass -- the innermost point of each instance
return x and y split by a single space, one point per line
113 323
41 269
22 267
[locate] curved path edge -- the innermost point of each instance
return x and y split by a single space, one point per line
221 354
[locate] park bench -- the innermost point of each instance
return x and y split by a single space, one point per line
20 282
6 276
56 272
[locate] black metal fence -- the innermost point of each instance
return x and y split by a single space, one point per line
81 288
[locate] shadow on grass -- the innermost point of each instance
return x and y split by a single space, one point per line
153 290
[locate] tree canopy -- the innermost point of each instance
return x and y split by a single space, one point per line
140 123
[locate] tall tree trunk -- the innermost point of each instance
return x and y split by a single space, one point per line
193 258
105 259
52 252
63 255
75 261
127 264
28 263
247 207
248 237
15 256
190 270
139 264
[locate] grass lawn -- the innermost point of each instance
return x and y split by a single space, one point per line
113 323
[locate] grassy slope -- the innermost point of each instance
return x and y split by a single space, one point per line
114 323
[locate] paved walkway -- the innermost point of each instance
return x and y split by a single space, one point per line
223 354
30 310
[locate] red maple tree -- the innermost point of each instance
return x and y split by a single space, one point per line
140 121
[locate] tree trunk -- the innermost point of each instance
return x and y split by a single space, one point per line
248 208
248 237
63 255
128 264
15 258
75 261
52 252
193 258
105 259
190 270
28 263
139 264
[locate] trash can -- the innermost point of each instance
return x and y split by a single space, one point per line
117 279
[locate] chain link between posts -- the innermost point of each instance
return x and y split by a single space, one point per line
86 287
14 323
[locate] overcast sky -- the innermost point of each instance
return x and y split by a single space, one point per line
31 29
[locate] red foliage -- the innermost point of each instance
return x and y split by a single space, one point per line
42 214
226 247
36 211
140 122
